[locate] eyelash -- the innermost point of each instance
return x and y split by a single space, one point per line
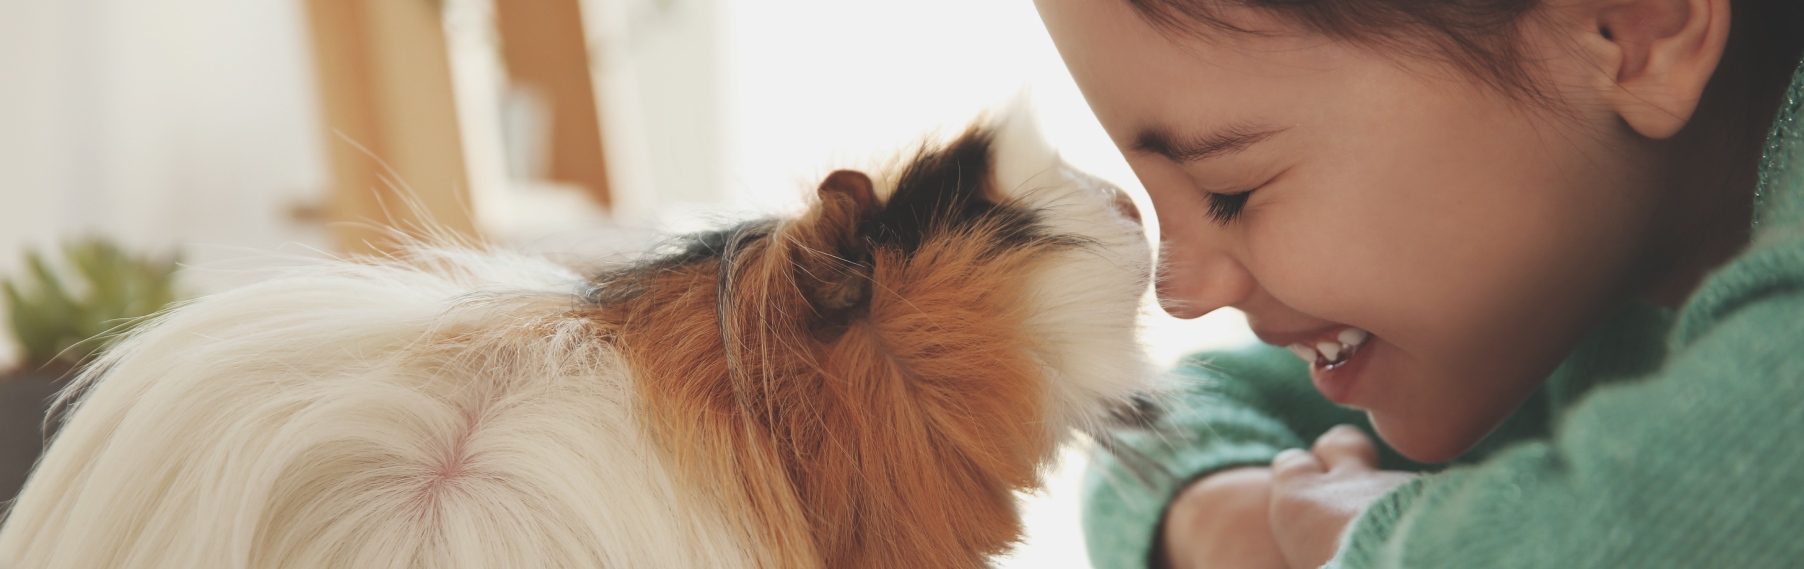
1225 208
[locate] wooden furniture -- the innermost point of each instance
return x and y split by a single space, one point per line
544 47
391 118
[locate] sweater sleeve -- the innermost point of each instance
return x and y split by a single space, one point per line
1695 465
1235 408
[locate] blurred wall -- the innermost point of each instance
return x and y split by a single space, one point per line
659 72
156 123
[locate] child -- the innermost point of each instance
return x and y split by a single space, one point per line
1548 242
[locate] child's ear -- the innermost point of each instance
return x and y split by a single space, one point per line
1657 56
835 267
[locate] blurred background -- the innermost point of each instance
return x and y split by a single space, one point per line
151 151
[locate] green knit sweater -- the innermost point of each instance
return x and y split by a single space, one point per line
1664 440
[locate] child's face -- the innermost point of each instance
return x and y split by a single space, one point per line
1475 238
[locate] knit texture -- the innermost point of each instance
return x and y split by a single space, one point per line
1664 440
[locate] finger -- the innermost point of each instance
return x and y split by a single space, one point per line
1346 446
1293 463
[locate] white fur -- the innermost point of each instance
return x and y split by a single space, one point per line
446 411
1087 303
303 421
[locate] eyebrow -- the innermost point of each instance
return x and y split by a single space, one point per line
1160 141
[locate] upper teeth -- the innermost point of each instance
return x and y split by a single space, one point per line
1331 351
1303 352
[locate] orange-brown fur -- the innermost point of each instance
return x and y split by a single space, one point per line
861 414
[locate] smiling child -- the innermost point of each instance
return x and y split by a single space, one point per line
1557 245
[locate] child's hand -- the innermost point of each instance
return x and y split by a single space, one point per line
1317 493
1220 522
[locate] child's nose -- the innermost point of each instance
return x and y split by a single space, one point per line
1193 281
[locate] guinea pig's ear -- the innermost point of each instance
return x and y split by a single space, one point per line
851 189
835 267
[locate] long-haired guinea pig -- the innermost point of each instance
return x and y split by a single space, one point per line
867 384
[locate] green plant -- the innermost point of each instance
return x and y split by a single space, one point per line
63 316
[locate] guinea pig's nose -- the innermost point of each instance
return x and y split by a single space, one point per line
1125 205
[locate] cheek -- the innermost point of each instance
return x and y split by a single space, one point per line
1311 241
1479 271
1482 276
1448 246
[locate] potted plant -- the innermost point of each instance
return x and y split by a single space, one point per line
61 314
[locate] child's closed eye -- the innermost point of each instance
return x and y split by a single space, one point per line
1225 208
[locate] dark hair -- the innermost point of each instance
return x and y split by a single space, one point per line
1479 37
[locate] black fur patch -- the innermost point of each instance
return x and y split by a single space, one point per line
627 282
945 190
1138 412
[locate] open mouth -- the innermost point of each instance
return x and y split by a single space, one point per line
1334 352
1335 363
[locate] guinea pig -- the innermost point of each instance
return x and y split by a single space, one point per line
866 384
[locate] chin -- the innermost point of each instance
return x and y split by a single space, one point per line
867 383
1427 442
